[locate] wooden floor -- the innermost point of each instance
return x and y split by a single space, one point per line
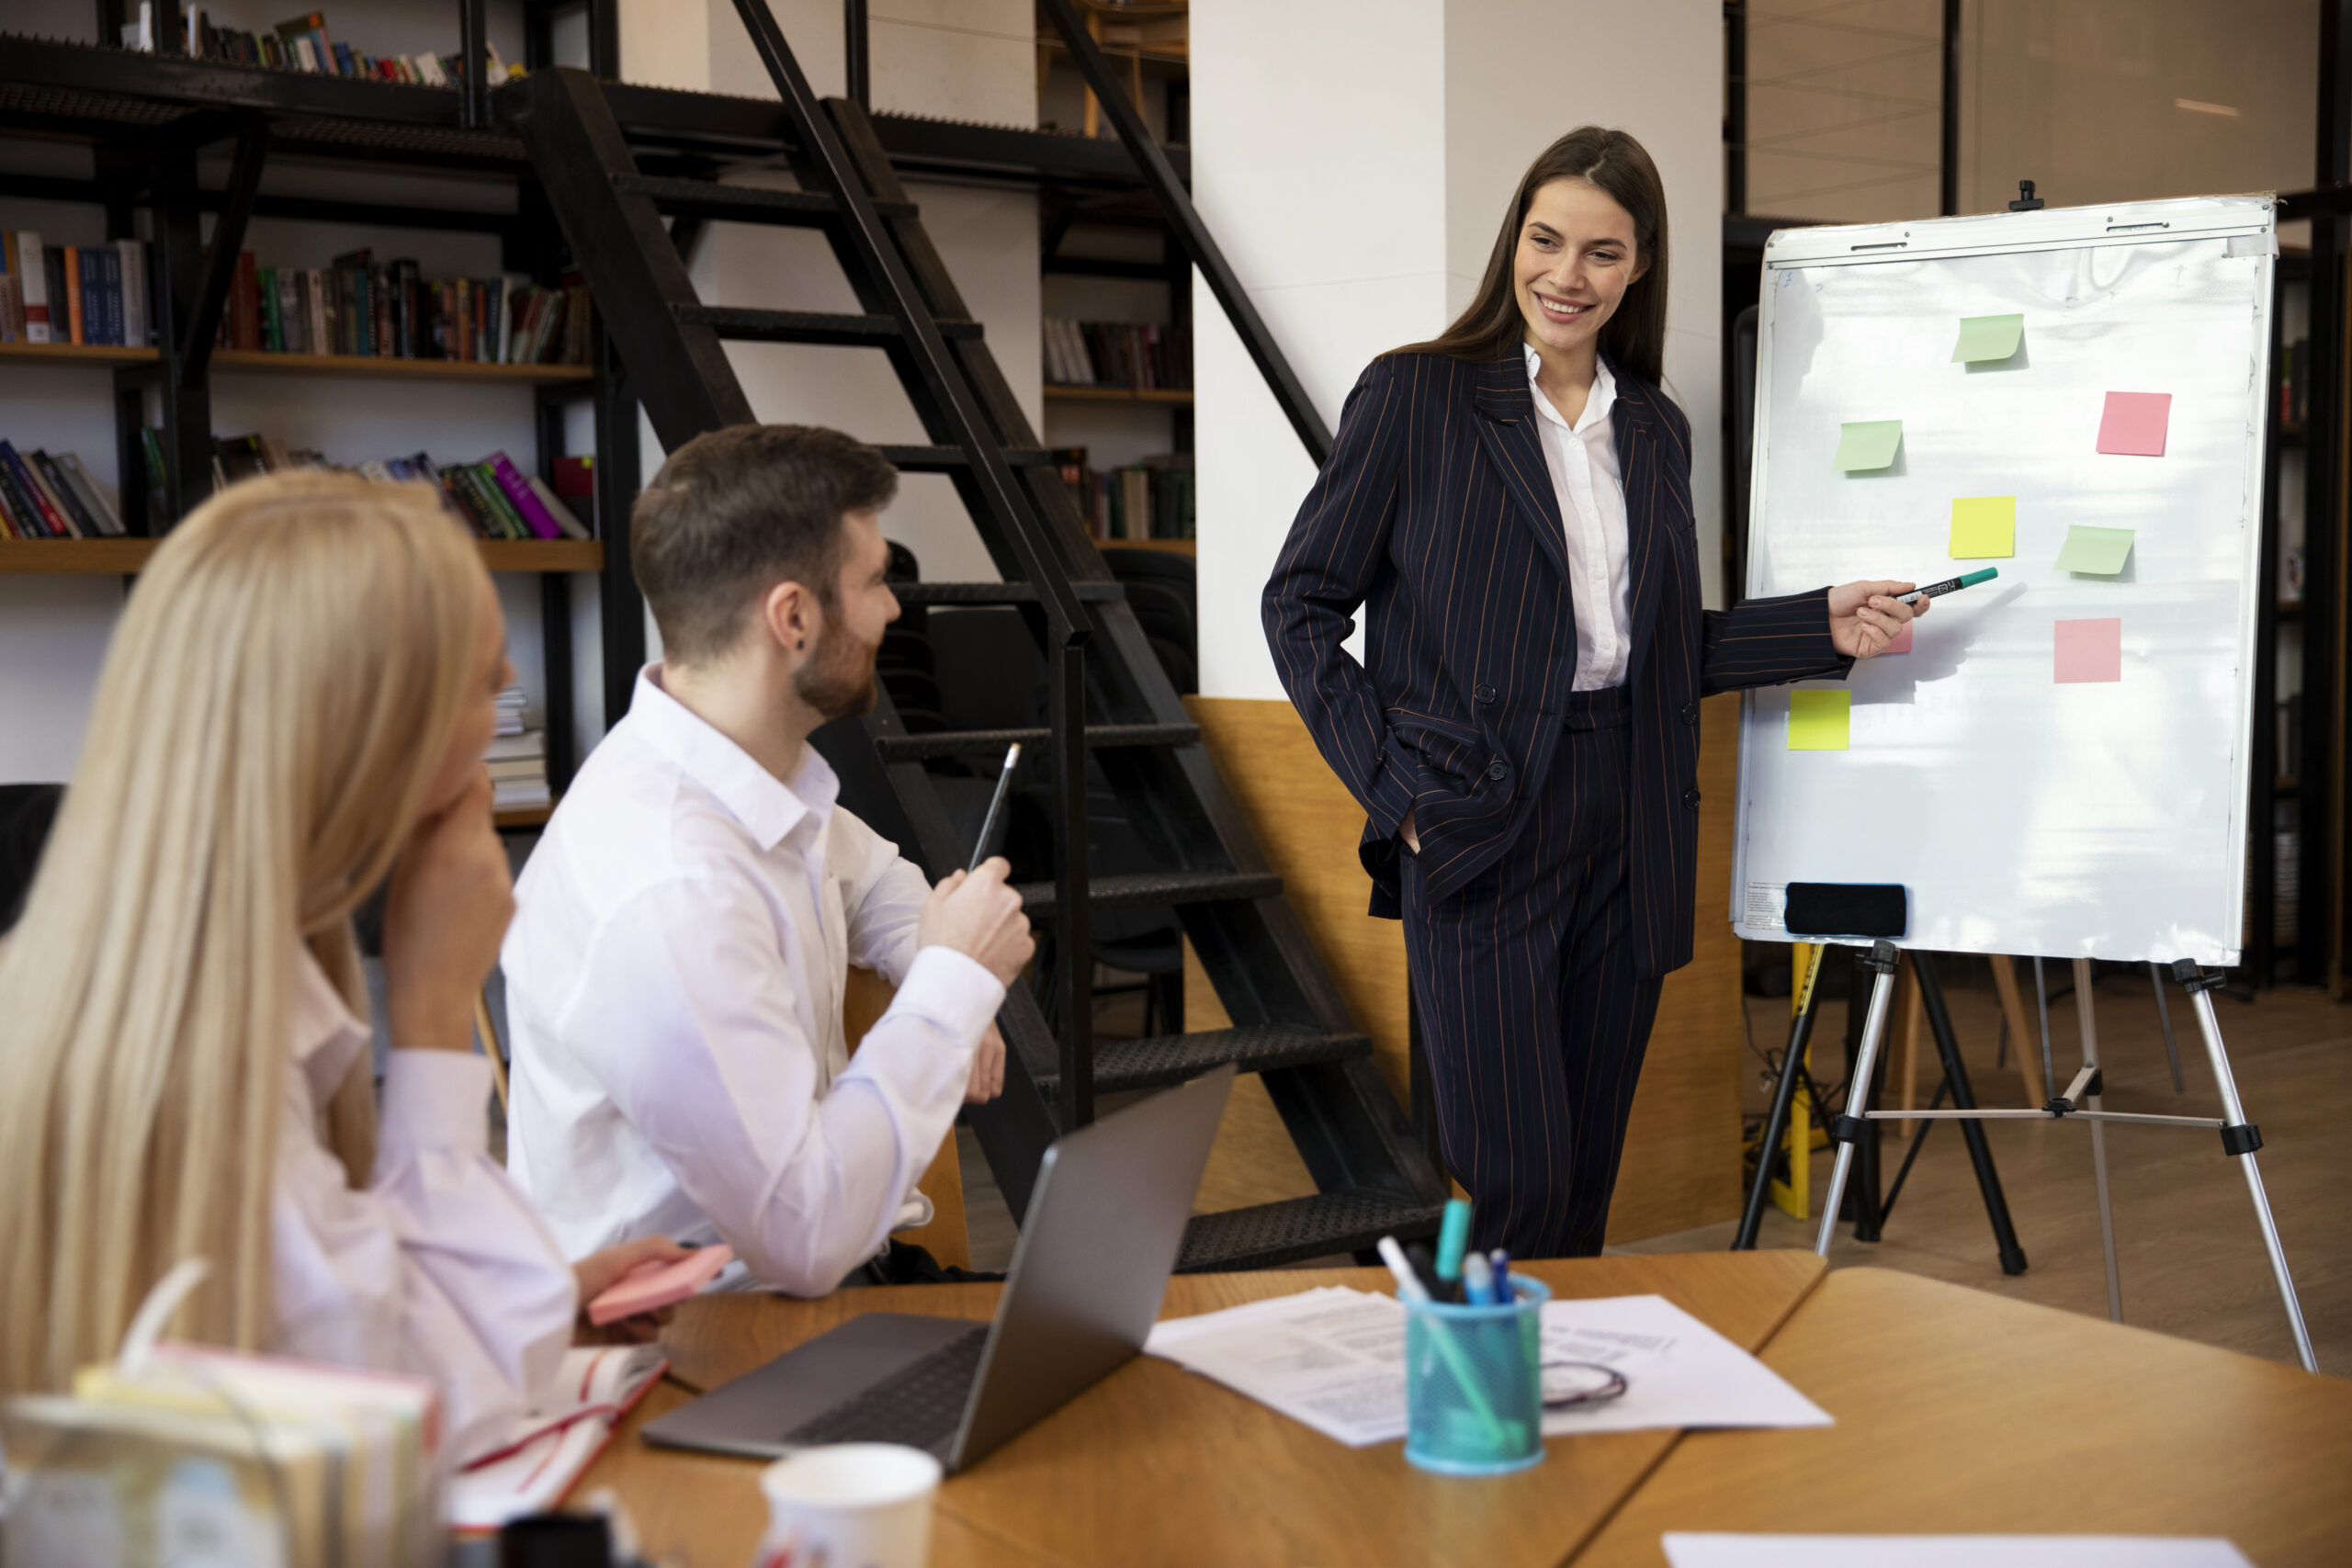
2191 1258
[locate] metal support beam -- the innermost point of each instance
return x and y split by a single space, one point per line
473 29
1735 106
203 324
1176 204
1947 184
856 42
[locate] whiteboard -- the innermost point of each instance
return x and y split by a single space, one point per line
2103 818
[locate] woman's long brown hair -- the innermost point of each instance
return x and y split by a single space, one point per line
1634 338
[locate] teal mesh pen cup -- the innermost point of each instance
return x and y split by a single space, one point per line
1474 1383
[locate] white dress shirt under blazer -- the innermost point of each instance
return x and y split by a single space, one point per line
674 979
439 1269
1583 460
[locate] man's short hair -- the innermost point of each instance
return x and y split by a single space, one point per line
735 512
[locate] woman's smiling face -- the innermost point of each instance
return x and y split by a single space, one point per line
1576 260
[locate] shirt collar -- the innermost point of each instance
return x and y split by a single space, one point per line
327 1036
767 807
1596 405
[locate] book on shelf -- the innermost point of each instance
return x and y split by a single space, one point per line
356 307
1136 356
52 497
492 496
303 44
1150 500
517 758
79 294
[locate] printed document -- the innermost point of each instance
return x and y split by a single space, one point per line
1334 1358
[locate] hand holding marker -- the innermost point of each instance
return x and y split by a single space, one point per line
1948 585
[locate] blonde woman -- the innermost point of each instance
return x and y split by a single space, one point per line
294 708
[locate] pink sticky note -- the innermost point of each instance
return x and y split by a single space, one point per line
2133 425
656 1285
2090 651
1902 643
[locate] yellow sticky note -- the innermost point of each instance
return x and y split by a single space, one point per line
1984 526
1819 720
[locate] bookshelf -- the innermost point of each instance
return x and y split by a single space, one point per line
399 369
74 355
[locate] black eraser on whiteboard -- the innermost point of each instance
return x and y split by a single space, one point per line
1847 909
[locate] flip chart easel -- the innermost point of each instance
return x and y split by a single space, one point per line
2060 764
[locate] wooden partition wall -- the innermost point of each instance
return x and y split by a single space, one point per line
1682 1167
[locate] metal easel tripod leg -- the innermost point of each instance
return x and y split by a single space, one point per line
2241 1138
2092 1080
1847 1129
1963 1096
1776 1122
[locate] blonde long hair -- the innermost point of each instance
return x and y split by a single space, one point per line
273 708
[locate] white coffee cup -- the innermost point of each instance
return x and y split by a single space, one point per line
849 1505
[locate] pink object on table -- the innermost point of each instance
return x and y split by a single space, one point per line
2133 425
2089 651
1900 643
656 1285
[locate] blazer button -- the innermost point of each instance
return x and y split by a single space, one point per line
1484 693
1689 797
1689 713
1496 769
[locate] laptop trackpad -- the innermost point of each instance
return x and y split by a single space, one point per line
751 1415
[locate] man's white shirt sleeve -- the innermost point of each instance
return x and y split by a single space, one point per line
687 1019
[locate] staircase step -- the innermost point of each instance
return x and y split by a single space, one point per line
992 742
1165 1059
1094 593
948 459
743 204
746 324
1266 1236
1158 887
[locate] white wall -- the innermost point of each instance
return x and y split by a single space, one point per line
1353 160
1319 162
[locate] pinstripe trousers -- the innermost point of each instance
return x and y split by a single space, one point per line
1532 1013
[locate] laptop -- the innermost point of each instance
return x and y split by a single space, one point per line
1107 1219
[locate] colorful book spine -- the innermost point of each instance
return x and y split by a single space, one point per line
53 522
71 263
519 495
22 511
32 267
132 259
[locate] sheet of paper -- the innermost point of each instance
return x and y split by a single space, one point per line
1983 527
2133 424
1690 1549
2096 552
1819 720
1868 444
1983 338
1334 1360
2089 651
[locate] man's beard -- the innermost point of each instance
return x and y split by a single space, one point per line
839 681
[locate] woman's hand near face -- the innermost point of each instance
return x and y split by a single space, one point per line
1864 616
451 899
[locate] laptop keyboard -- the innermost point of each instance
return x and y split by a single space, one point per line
918 1405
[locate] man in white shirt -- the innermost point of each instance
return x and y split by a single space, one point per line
685 928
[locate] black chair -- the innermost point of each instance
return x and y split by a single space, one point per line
27 813
1165 566
991 675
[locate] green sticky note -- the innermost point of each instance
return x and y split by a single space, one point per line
1819 721
2100 552
1983 527
1985 338
1869 444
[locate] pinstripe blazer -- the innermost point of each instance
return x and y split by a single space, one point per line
1437 516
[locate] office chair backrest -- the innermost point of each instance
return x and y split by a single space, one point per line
26 813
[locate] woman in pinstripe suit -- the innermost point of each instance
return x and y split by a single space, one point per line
1509 505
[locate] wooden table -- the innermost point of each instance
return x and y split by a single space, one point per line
1963 1412
1155 1465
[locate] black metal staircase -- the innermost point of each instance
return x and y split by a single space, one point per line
1108 699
